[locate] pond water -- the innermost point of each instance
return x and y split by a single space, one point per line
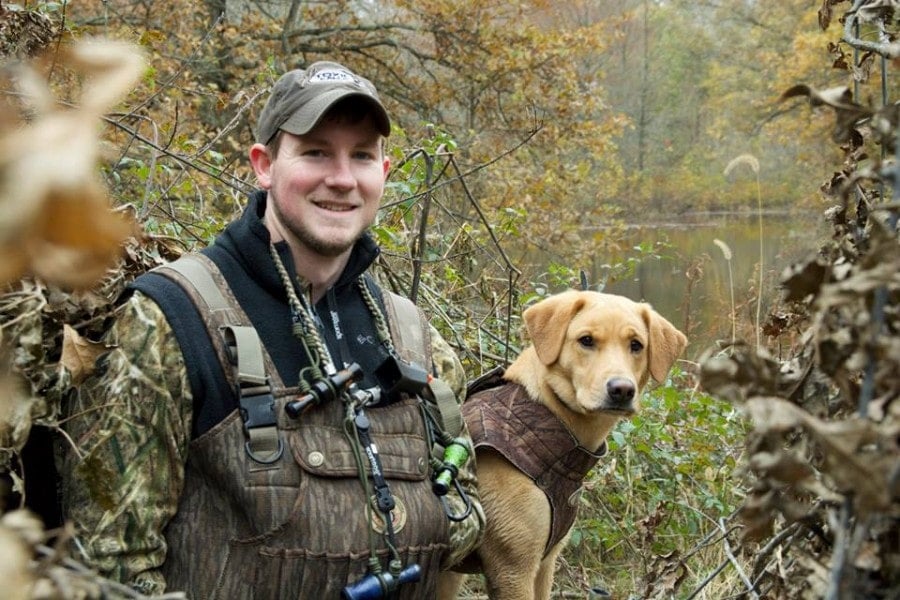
688 280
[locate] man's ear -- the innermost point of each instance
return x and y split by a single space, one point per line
262 164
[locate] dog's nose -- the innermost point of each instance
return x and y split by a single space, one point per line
621 392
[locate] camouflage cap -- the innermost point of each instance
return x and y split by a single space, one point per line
301 97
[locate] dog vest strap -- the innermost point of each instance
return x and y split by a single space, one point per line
244 353
486 381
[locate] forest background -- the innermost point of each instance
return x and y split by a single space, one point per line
528 136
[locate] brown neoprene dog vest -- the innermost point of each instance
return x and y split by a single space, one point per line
537 443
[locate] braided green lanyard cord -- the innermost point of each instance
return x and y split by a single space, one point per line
304 329
381 327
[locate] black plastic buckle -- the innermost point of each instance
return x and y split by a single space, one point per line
258 410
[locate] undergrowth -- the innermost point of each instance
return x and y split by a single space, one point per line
667 482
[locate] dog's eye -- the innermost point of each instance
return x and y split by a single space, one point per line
636 346
586 341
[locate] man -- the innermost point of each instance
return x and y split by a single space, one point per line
302 472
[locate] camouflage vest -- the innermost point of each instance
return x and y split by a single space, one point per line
500 415
273 507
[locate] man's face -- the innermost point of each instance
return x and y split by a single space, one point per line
325 186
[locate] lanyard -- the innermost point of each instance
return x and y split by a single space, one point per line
383 497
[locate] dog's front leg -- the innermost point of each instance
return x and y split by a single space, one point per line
516 529
543 583
509 585
448 585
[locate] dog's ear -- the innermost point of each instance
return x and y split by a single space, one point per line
666 344
547 323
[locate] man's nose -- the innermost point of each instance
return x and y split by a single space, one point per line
341 173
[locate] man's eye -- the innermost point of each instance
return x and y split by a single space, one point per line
586 341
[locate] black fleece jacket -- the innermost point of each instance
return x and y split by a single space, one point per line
241 252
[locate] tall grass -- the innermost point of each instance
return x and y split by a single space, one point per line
726 252
751 161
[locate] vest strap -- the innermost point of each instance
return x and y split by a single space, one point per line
251 370
245 352
447 405
410 328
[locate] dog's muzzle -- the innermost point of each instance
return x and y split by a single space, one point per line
620 393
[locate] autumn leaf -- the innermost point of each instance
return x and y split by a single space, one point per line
842 444
55 218
79 354
804 278
16 407
848 113
14 565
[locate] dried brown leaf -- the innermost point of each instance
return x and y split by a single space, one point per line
79 354
815 584
844 444
804 278
868 557
743 374
14 566
848 114
782 466
758 515
666 574
55 218
16 407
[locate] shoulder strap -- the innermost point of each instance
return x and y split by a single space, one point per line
409 328
412 337
238 348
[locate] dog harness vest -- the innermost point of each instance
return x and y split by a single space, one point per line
536 442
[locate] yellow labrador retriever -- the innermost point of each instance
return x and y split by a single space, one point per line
540 428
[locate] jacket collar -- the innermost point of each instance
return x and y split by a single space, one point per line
248 239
